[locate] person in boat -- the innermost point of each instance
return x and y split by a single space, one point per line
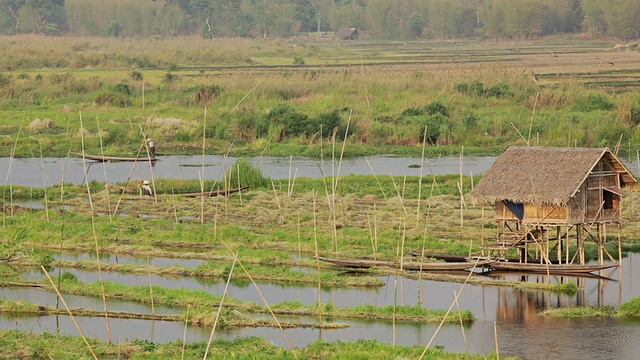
152 148
146 189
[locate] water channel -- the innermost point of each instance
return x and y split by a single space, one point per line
521 331
37 172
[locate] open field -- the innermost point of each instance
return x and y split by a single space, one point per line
283 97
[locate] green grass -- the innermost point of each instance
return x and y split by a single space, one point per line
18 344
566 113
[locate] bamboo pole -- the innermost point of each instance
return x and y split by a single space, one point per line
224 294
464 336
202 175
460 188
444 318
263 300
44 184
315 248
70 313
184 334
8 179
95 234
384 195
104 170
424 144
495 335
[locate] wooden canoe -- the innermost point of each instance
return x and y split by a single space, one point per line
214 192
430 266
549 268
102 158
449 257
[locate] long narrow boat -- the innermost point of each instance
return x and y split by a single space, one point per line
214 192
449 257
429 266
549 268
103 158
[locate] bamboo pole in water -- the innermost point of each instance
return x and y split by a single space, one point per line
495 335
460 188
449 310
224 294
424 144
202 176
464 336
44 184
104 169
264 300
62 226
316 251
8 179
70 313
184 334
95 233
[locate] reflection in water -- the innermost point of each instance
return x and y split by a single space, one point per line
521 331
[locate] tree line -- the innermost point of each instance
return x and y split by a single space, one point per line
383 19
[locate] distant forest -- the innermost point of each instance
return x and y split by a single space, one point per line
374 19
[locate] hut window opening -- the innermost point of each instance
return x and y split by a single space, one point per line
516 208
610 200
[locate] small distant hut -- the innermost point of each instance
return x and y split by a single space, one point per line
347 34
535 190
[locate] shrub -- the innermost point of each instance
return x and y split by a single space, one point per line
123 89
169 77
631 308
135 75
380 133
111 99
499 91
593 103
470 120
183 136
634 114
437 107
412 111
293 122
113 29
114 136
326 121
247 127
476 88
206 94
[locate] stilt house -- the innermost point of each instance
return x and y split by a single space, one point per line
535 190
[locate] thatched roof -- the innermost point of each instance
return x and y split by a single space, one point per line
540 175
347 33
